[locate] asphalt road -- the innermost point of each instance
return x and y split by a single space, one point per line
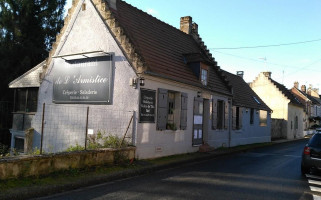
266 173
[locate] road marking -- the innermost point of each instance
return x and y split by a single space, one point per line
313 176
314 182
315 189
315 197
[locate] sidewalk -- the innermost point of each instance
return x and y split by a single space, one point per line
73 179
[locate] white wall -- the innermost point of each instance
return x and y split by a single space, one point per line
292 131
251 133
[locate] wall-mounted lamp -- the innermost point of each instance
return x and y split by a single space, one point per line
142 81
257 111
133 82
199 94
247 110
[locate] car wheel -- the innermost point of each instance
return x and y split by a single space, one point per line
304 170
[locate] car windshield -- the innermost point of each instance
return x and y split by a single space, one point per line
315 141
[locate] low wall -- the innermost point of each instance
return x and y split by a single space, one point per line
24 166
278 129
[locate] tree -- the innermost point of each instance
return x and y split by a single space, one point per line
27 30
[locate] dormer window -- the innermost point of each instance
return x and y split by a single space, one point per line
204 75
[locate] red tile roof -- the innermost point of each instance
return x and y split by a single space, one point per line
163 47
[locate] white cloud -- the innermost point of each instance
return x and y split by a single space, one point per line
153 12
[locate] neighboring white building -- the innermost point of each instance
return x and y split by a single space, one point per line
282 102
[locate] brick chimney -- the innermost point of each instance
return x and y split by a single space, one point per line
303 88
195 28
296 84
186 24
267 74
240 73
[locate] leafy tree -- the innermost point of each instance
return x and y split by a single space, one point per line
27 30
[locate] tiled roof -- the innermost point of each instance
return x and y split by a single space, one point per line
243 95
314 100
29 79
164 48
287 93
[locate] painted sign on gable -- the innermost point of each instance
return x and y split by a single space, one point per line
87 80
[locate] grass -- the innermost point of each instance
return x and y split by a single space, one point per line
60 178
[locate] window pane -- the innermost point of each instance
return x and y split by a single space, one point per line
204 76
263 118
32 100
20 100
252 116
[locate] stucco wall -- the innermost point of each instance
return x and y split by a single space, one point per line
271 96
86 32
156 143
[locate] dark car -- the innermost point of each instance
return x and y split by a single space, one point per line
311 156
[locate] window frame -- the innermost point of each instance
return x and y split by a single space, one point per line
27 103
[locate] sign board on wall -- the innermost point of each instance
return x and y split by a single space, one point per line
147 106
87 80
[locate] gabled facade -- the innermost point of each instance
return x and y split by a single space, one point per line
282 102
251 117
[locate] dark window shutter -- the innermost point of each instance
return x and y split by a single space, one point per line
183 111
226 112
162 109
234 118
214 115
240 117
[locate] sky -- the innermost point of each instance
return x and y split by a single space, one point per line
288 30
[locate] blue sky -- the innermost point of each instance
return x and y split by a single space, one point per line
248 23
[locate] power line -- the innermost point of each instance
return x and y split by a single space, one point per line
272 45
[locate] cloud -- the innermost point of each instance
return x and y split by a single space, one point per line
153 12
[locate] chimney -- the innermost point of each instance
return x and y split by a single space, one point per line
267 74
186 24
303 88
296 84
240 73
195 28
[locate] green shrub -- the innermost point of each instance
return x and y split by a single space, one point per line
77 147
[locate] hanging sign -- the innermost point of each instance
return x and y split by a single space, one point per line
147 106
86 80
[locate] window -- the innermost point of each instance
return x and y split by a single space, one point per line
26 99
220 114
252 116
171 110
204 76
263 118
237 118
296 123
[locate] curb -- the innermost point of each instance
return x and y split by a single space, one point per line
40 191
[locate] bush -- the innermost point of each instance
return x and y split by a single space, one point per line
4 150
